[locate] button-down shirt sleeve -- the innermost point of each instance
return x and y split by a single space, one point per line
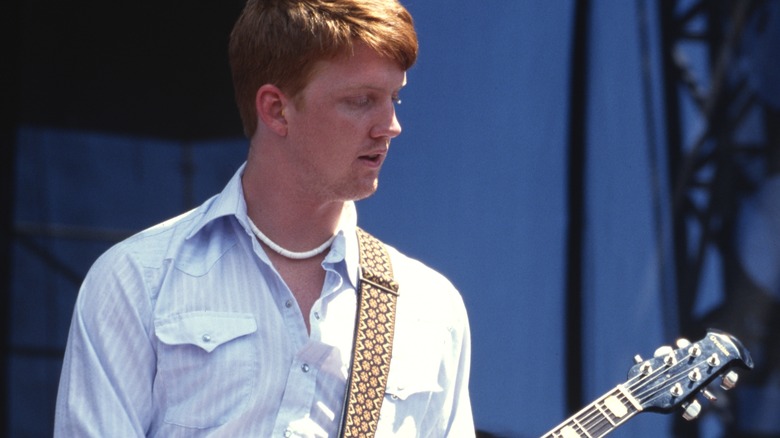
105 388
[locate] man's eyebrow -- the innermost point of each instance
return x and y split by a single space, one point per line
371 86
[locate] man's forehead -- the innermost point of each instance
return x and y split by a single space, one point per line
360 75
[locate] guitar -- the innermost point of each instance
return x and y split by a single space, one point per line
669 380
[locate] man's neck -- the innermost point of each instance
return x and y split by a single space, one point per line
287 218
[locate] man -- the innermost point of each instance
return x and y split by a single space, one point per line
237 319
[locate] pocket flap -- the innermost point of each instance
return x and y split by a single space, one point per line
402 390
207 330
416 361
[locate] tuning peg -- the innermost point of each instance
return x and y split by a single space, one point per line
691 410
729 380
713 360
710 396
663 351
682 343
638 359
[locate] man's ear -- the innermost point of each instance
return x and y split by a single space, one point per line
270 103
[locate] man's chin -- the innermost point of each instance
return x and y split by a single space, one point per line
364 192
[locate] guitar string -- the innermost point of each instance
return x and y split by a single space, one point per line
601 417
596 422
670 382
595 417
592 416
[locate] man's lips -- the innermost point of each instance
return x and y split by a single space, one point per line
375 157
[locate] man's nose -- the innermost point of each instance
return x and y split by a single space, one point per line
390 127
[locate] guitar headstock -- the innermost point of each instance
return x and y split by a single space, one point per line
674 376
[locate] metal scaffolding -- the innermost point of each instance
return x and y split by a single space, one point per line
713 165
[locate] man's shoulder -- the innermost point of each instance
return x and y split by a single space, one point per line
166 240
422 284
415 270
157 238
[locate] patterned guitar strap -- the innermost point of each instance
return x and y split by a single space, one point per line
373 343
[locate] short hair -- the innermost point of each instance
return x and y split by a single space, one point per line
279 42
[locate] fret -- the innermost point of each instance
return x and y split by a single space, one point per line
597 419
667 381
606 414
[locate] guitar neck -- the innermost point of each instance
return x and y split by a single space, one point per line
600 417
661 384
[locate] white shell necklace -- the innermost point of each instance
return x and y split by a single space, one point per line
286 252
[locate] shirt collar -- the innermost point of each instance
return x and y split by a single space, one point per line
231 202
228 203
345 245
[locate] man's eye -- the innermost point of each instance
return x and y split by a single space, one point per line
360 101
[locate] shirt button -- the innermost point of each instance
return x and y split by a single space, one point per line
287 433
206 338
288 304
305 368
317 315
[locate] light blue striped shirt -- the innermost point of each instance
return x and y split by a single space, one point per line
187 330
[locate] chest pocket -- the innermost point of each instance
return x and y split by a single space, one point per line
414 369
206 367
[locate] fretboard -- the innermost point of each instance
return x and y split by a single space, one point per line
598 418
